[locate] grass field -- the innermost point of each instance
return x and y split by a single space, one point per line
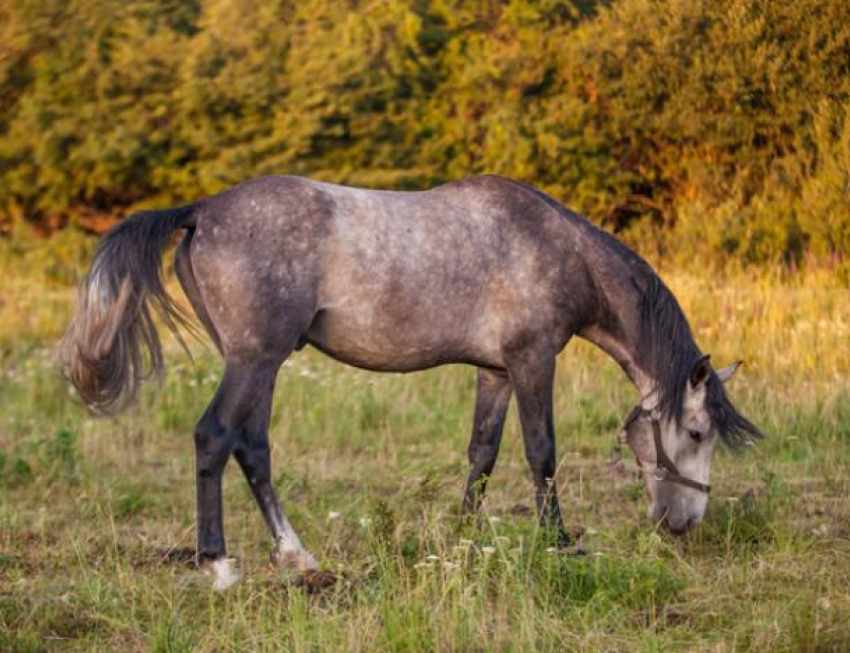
97 516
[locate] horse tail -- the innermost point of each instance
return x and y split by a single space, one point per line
112 345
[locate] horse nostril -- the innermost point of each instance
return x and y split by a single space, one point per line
693 522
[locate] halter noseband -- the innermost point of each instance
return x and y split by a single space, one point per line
665 468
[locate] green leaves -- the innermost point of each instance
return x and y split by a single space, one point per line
700 129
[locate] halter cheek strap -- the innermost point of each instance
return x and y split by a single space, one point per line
663 462
665 468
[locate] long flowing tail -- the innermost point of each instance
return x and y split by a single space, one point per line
104 350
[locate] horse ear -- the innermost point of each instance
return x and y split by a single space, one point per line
726 373
700 371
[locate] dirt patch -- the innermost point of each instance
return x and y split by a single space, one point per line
667 616
181 557
316 581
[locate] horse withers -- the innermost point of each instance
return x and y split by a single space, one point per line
485 271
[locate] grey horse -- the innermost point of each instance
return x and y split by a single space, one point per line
485 271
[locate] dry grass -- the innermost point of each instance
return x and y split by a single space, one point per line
97 517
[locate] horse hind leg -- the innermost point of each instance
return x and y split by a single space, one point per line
237 423
492 396
253 455
214 442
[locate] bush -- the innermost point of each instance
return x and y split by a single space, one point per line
719 129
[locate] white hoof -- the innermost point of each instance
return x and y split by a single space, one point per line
226 573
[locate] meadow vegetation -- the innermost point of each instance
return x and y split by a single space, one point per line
97 516
714 137
701 129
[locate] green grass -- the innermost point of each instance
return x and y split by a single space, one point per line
97 516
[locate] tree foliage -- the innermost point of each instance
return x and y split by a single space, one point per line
713 129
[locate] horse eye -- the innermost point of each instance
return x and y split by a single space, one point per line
695 435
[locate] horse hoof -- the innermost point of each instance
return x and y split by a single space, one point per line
299 561
224 570
315 580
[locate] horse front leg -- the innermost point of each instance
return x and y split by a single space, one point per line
532 375
493 394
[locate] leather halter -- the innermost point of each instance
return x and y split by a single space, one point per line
665 468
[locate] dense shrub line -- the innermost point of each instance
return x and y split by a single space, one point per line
708 130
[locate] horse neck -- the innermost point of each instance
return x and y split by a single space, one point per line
642 327
623 352
617 332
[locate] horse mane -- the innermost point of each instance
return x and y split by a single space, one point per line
665 342
669 353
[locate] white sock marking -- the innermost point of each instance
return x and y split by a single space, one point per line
226 574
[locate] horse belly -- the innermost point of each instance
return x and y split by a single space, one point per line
384 339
